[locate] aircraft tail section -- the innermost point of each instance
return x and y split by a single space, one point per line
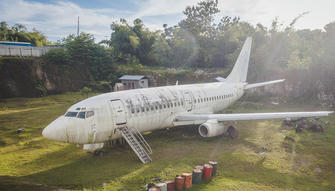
240 70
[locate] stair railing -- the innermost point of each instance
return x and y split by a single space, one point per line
141 139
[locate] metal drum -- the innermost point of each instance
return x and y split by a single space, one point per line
201 168
196 176
162 186
188 180
179 181
207 171
155 188
214 164
170 185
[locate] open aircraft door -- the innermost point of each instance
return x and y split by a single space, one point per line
119 113
188 100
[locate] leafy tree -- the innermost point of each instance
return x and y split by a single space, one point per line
19 33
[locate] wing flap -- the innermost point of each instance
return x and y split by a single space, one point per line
251 116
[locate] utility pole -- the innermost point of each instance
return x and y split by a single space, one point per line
78 27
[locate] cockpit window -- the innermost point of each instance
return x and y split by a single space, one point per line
81 115
71 114
89 114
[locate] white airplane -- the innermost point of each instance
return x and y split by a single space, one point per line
99 119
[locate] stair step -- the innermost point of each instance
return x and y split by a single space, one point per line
135 145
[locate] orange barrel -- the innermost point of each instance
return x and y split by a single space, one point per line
188 180
214 164
162 186
179 181
154 188
207 171
196 176
201 168
170 185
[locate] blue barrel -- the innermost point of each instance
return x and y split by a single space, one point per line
214 164
196 176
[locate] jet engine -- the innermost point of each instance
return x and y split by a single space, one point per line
211 128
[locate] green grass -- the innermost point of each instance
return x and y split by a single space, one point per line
30 162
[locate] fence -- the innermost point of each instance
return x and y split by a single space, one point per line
23 51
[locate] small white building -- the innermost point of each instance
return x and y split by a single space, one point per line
134 81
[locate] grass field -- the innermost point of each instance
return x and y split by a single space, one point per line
30 162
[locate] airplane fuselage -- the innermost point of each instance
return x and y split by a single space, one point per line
97 119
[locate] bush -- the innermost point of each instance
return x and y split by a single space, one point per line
58 56
85 91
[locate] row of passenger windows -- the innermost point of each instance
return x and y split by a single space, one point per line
157 105
214 98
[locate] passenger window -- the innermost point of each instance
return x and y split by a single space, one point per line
142 108
151 107
132 110
164 106
160 106
71 114
89 114
137 109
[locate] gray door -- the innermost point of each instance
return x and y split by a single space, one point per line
119 112
188 100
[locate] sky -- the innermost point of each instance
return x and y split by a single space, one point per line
58 18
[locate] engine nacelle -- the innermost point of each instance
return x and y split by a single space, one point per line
211 128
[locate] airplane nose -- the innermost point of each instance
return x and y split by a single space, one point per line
55 131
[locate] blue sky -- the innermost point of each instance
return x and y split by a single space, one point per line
57 18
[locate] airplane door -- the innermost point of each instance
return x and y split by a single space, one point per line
188 100
119 112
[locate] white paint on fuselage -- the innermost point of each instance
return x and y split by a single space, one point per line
145 109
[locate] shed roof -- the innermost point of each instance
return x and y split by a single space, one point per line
132 77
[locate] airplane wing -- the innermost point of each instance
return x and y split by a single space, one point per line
250 116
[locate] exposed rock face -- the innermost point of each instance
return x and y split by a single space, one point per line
30 77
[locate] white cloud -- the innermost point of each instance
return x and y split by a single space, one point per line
162 7
253 11
59 19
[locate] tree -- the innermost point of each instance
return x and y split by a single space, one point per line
132 44
19 33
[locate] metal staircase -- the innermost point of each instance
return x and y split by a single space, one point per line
137 142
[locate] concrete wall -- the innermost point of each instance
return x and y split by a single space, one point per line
23 51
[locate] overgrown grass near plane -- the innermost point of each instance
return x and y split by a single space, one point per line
30 162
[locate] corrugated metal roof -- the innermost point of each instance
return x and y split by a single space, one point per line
131 77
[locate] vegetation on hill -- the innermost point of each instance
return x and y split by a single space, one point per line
19 33
305 57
